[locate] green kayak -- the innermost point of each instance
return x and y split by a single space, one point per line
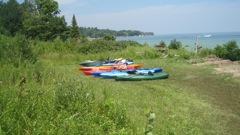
139 77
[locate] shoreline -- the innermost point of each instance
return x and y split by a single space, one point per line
206 40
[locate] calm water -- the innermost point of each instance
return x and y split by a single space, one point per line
206 40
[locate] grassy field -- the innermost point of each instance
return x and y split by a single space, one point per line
192 100
42 92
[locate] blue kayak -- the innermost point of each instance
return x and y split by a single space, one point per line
113 74
98 73
144 70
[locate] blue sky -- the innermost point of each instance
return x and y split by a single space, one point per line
158 16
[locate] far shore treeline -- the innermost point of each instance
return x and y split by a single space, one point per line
40 19
98 33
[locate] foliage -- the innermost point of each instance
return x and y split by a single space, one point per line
4 31
220 51
204 52
16 50
104 45
74 29
53 105
10 17
50 97
109 37
161 44
40 19
229 50
174 44
180 54
44 23
94 32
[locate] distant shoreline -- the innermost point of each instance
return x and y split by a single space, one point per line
206 40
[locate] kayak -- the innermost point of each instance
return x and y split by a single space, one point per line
89 72
124 66
145 70
114 64
113 74
98 73
110 62
132 66
95 68
90 63
140 77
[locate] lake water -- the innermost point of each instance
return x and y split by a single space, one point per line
206 40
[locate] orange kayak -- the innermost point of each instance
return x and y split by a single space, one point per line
131 66
95 68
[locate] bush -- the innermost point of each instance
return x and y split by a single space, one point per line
16 50
229 50
206 52
102 45
174 44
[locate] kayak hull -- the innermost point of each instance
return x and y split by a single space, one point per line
113 74
137 77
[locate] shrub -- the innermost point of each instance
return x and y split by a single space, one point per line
230 50
174 44
206 52
16 50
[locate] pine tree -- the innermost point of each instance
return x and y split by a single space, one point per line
74 29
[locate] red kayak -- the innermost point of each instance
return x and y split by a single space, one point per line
131 66
88 72
95 68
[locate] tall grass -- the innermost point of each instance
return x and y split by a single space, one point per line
176 101
40 100
49 96
36 98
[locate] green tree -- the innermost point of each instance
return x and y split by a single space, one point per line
230 50
109 37
220 51
174 44
161 44
41 20
10 17
74 29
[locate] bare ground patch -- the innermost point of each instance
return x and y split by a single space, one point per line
223 66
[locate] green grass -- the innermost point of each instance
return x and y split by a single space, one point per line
54 99
191 101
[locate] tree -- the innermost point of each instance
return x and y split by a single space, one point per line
10 17
230 50
43 21
74 29
109 37
161 44
174 44
220 51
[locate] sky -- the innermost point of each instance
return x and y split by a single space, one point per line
158 16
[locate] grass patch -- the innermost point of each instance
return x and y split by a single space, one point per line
56 99
189 102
